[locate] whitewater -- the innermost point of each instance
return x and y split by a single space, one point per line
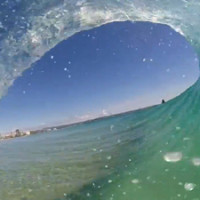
149 154
30 29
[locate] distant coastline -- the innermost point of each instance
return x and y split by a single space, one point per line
20 133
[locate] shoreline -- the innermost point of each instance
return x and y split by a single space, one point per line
19 133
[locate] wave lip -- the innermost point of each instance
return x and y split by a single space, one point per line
29 29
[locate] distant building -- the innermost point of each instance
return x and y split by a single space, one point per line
17 133
27 132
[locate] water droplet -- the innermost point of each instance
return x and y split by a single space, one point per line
196 161
189 186
111 127
173 156
186 138
118 141
178 128
109 157
109 181
180 183
88 194
135 181
183 76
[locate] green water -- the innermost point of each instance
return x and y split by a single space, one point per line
121 157
115 158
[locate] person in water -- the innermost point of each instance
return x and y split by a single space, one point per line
163 101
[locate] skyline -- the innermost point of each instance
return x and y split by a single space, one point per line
110 69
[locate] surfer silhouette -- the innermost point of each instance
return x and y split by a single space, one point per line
163 101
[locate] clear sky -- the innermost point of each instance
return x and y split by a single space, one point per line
106 70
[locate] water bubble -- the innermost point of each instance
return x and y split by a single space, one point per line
148 177
186 138
183 76
196 161
118 141
30 190
109 181
88 194
189 186
144 59
109 157
180 183
135 181
111 127
173 156
196 60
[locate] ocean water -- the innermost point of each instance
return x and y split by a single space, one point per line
146 154
150 154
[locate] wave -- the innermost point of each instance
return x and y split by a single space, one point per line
29 29
138 154
168 133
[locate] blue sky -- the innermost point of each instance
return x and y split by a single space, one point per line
110 69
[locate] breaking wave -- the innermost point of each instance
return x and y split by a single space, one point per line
28 29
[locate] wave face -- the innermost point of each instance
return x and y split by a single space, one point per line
148 154
28 29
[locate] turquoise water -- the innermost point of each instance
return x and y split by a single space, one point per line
124 157
129 156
